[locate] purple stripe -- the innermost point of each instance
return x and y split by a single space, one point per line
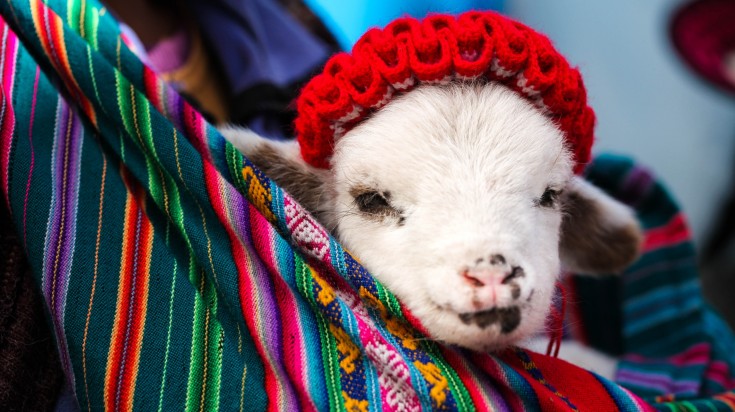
61 229
174 106
657 381
238 213
635 186
492 392
33 155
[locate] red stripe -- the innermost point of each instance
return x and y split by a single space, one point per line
150 82
490 366
675 231
584 391
469 380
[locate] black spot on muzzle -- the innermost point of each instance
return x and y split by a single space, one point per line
508 318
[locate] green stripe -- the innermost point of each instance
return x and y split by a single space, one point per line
214 374
141 129
168 335
196 372
206 355
330 356
124 109
456 387
389 300
72 14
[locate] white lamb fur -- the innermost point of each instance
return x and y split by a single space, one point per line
453 197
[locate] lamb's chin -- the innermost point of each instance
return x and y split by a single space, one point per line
446 326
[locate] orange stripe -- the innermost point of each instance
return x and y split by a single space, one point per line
728 399
123 292
55 49
132 302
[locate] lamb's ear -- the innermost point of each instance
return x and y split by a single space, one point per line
282 162
598 234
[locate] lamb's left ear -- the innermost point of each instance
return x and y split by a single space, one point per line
598 233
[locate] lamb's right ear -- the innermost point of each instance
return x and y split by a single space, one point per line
282 162
598 234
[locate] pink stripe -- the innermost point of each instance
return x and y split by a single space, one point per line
10 50
640 403
371 337
7 116
274 380
696 354
292 337
195 127
7 126
719 372
33 153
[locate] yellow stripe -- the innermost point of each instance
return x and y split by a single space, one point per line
94 279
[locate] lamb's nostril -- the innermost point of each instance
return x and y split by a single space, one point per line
497 259
516 272
471 279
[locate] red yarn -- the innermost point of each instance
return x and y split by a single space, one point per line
440 49
557 324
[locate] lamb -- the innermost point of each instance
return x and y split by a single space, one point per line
461 198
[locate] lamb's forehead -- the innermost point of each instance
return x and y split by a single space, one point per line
481 130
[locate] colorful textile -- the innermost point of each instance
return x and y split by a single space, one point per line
483 46
675 349
178 276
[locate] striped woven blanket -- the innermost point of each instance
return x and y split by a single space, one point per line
177 276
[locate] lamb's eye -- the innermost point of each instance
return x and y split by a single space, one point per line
549 198
373 202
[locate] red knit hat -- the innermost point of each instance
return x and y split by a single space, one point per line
441 49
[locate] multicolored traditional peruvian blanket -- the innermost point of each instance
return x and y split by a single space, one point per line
177 276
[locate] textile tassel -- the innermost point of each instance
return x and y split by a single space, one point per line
557 323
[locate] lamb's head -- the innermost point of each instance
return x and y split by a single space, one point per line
460 199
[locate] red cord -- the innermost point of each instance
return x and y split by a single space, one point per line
557 324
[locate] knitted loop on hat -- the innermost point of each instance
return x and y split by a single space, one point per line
438 50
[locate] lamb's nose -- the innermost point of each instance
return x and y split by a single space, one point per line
491 270
491 276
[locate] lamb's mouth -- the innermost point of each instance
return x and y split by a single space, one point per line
509 318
